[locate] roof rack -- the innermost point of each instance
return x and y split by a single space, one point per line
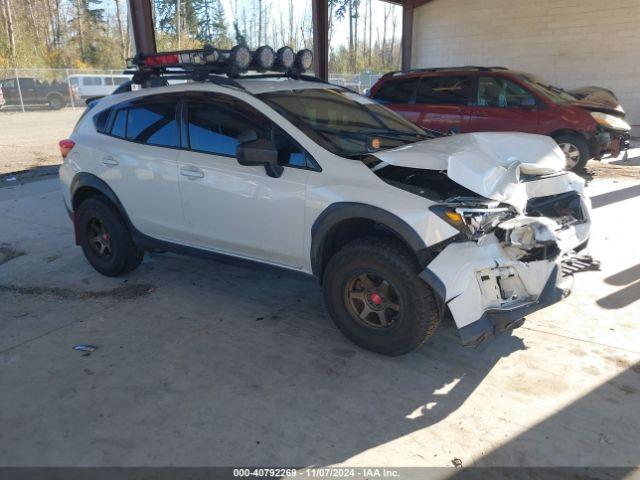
204 61
440 69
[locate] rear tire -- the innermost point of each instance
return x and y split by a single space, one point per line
357 298
576 151
105 238
56 102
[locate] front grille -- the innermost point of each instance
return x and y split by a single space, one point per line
564 208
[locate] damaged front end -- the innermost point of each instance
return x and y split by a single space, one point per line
490 282
517 220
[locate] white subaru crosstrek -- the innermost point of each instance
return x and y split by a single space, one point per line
399 227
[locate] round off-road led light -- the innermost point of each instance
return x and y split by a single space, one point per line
304 59
264 57
285 57
240 57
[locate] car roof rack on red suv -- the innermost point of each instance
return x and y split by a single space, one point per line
443 69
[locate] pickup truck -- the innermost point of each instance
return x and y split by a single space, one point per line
36 92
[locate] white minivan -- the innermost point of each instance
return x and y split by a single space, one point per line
96 85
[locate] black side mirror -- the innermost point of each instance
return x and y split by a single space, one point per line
259 151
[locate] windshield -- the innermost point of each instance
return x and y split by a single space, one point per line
554 94
344 122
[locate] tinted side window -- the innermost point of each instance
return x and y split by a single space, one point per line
154 124
91 81
444 90
119 126
499 92
100 120
289 152
215 128
397 91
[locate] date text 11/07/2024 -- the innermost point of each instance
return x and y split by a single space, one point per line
321 472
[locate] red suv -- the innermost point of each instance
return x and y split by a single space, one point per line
480 99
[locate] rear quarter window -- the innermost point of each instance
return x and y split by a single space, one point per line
100 119
119 127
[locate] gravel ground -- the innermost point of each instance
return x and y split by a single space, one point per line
30 140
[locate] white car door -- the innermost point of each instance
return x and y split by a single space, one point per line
139 161
236 209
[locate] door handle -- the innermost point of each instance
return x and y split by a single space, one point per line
191 172
109 161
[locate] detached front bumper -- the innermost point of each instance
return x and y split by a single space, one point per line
499 319
491 284
487 290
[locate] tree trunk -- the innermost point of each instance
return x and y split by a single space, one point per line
80 29
10 32
330 22
384 36
178 22
50 37
394 21
123 47
350 35
291 28
370 30
355 36
36 30
364 32
259 22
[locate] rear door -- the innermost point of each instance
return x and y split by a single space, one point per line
399 95
138 160
441 102
28 90
500 104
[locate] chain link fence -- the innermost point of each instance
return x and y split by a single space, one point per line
29 89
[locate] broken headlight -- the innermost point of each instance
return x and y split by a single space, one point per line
474 221
610 121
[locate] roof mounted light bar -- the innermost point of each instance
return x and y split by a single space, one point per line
231 62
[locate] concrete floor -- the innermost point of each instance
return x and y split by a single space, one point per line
206 363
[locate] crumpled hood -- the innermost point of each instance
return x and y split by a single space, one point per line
598 99
488 163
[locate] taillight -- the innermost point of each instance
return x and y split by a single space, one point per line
65 147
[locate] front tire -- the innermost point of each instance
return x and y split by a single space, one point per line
375 297
105 238
576 151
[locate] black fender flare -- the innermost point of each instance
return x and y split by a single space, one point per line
89 180
338 212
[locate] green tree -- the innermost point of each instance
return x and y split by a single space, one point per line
212 23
